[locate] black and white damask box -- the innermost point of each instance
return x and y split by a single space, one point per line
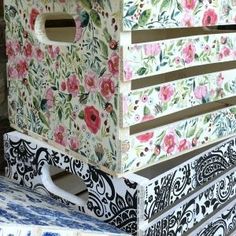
139 202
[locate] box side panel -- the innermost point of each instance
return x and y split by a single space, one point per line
165 142
184 179
196 208
149 14
66 92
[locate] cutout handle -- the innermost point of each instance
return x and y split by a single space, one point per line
52 188
55 28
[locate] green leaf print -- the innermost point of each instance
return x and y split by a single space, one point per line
86 3
141 71
81 115
143 19
60 113
199 133
36 103
43 119
114 117
84 18
233 110
155 2
104 48
165 4
95 18
107 35
131 10
191 131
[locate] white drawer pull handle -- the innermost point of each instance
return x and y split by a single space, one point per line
52 188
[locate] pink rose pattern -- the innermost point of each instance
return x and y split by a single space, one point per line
113 64
189 51
210 18
182 13
182 136
143 138
154 102
152 50
179 54
69 92
60 135
169 143
189 4
166 93
73 85
200 92
90 81
107 87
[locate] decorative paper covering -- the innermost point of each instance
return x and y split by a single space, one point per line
24 212
66 93
110 199
196 208
222 223
154 14
153 146
149 59
146 104
163 191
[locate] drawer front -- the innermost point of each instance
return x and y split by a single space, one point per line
149 14
195 209
187 177
110 199
149 59
153 146
146 104
65 91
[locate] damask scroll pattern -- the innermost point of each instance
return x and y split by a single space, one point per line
115 205
181 181
184 217
222 225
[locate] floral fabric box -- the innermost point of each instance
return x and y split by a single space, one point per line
128 203
74 66
25 213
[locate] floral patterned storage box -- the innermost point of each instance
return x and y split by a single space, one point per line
26 213
74 88
128 203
